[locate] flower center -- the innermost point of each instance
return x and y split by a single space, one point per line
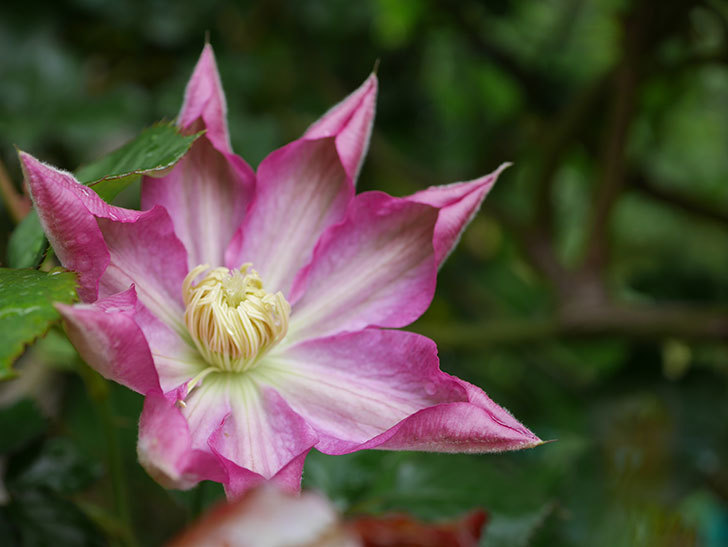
231 318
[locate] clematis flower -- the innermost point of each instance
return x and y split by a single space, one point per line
255 312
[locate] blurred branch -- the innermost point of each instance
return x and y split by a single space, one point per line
558 136
679 200
17 205
612 167
646 322
533 82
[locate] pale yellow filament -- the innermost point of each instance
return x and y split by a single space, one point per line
231 318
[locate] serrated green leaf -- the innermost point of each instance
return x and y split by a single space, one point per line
27 244
152 153
26 308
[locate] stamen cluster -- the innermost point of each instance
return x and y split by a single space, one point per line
231 318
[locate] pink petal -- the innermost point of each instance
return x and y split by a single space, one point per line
165 449
352 387
147 253
251 430
208 191
241 480
302 190
262 434
377 267
110 341
204 105
176 360
68 212
110 247
206 194
476 426
350 122
458 203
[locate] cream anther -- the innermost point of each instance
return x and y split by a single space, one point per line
231 318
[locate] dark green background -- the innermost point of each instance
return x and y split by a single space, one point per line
589 296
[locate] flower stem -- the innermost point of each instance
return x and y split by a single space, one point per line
100 395
116 472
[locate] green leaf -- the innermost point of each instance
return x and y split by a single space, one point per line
60 466
20 424
36 517
152 153
27 244
26 308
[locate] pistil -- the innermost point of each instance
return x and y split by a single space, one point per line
231 318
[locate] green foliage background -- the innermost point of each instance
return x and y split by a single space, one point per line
589 296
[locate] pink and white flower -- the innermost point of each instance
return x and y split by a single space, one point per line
255 311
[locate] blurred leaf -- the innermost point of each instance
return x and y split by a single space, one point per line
26 308
27 244
59 467
20 423
152 153
41 518
515 531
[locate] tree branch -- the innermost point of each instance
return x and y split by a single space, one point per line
679 200
634 322
17 205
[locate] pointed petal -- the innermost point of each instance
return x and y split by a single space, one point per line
241 480
109 340
377 267
350 122
261 433
353 387
206 194
252 431
68 212
302 190
476 426
208 191
176 359
147 253
205 102
165 449
110 247
458 203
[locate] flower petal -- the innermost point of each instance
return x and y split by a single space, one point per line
165 448
110 247
109 340
350 121
302 190
458 203
352 387
476 426
206 194
68 212
250 428
147 253
241 480
208 191
205 104
261 433
176 359
377 267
